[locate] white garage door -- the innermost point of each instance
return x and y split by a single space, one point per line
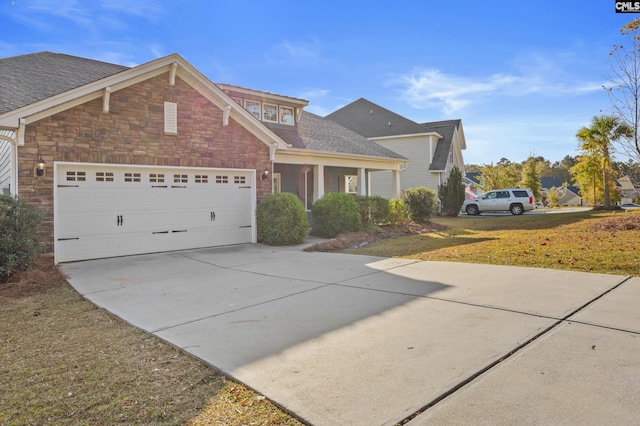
106 210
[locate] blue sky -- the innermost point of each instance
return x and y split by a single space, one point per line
523 76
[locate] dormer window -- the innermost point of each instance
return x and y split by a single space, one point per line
286 115
253 107
270 113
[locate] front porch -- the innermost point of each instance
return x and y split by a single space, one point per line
311 182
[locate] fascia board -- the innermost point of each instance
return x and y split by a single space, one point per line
306 156
413 135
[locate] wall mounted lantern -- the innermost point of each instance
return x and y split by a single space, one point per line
40 167
265 174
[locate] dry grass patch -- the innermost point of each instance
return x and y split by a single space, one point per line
64 361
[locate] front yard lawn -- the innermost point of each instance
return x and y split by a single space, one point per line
602 242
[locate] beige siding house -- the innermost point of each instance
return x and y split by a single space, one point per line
433 149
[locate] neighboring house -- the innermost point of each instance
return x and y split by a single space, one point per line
626 189
472 186
433 148
157 157
569 195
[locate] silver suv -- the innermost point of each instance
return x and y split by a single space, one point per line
514 200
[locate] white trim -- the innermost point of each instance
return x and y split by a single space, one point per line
380 138
106 98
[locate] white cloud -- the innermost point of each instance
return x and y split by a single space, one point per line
432 88
313 93
299 52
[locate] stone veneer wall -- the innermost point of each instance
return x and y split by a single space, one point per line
132 132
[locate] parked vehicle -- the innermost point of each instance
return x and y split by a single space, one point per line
630 206
514 200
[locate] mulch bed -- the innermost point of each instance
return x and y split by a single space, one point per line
43 277
359 239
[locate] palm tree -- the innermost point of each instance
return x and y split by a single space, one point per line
598 140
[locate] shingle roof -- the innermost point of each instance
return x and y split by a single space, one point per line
320 134
30 78
372 121
446 129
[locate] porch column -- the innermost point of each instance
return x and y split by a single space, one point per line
362 182
395 184
318 182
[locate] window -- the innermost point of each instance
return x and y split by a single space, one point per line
132 177
104 176
222 179
253 107
76 176
270 113
503 194
238 101
286 115
351 184
239 179
202 178
156 177
180 179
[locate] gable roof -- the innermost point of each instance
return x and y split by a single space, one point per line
371 120
22 81
320 134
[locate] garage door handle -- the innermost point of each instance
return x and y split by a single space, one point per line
213 216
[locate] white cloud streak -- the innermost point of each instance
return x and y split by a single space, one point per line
432 88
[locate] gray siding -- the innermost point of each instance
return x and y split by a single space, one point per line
417 174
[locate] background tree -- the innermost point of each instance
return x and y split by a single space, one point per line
553 197
561 169
598 140
499 176
451 193
587 174
623 86
531 177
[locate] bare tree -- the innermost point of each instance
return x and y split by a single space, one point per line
624 85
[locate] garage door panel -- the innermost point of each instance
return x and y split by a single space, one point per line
115 210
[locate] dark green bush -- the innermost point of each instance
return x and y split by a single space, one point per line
421 203
19 240
335 213
373 210
451 193
399 212
281 220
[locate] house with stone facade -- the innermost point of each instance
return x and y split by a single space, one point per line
157 157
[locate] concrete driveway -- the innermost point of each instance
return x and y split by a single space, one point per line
357 340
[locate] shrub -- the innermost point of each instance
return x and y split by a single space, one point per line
335 213
421 203
19 240
281 220
373 210
399 212
451 193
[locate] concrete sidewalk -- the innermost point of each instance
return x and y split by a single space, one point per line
356 340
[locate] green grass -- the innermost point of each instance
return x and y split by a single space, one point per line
585 241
